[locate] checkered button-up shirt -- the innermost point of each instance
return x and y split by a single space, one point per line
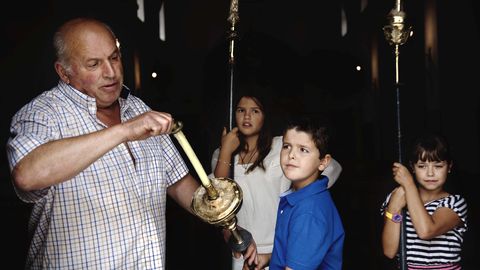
112 214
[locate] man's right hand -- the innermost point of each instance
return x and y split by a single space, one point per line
148 124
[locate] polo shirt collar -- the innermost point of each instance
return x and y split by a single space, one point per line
318 186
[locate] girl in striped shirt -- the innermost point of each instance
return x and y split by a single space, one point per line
435 219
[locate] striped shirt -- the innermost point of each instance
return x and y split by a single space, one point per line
112 214
443 251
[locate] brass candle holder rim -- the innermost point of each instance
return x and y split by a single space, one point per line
221 210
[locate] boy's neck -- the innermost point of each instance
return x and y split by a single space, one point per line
297 185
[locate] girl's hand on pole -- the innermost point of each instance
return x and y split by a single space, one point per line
401 174
230 141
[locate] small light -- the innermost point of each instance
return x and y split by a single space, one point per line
154 74
358 68
117 43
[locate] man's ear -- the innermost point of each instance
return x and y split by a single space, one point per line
62 72
324 162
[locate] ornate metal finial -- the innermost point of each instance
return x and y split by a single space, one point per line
396 32
233 17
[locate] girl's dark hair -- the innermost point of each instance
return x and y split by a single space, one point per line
264 141
430 147
317 129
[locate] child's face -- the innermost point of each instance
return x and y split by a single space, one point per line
299 158
249 117
431 175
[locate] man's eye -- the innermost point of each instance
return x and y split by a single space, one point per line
92 64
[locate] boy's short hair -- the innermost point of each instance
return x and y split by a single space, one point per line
316 128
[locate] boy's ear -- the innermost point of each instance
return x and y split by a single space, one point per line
324 162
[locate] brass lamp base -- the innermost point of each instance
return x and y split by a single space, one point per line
220 211
217 200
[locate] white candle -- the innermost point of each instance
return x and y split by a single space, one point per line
193 158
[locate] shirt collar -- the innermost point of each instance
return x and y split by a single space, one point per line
318 186
87 102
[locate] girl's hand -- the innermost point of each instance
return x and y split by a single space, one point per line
230 141
401 174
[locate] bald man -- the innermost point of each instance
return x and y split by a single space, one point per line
95 161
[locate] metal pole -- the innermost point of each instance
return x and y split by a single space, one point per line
397 34
233 18
397 89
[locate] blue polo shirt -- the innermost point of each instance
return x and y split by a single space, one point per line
309 232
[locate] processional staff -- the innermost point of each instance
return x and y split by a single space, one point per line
232 36
241 241
397 33
233 18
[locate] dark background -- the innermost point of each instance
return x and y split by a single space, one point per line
294 52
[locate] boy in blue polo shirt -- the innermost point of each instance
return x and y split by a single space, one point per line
309 232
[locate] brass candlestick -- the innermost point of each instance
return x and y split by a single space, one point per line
218 200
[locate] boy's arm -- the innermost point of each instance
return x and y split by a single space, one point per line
332 171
